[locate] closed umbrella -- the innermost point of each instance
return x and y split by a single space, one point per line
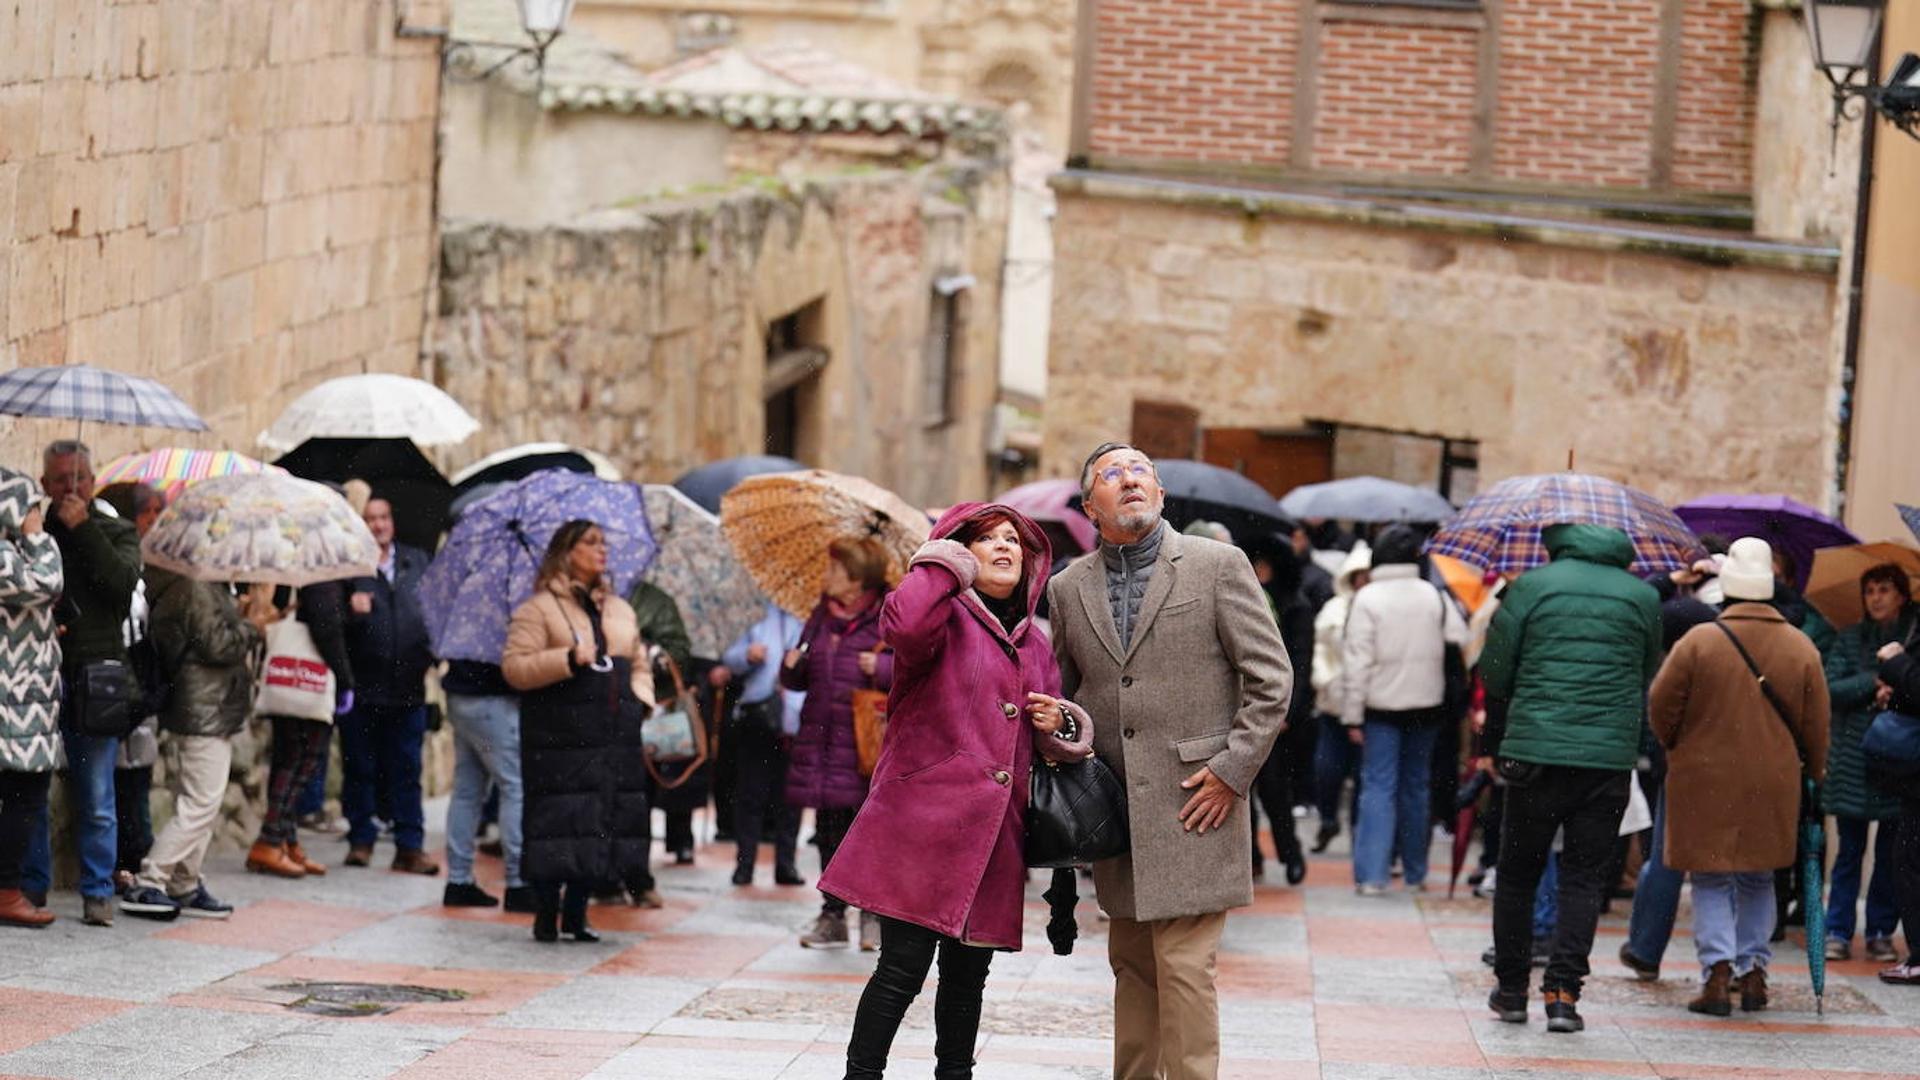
1367 499
1813 838
263 527
780 525
397 471
717 597
1500 528
373 406
709 483
1054 502
487 567
171 470
1834 587
80 392
1787 524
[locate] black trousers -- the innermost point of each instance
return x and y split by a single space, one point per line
830 826
566 899
23 808
1906 861
1274 786
906 953
132 806
1588 804
760 809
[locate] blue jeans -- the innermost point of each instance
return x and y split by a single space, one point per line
380 744
1334 759
96 827
1395 768
486 749
1546 899
1883 912
1733 919
1656 897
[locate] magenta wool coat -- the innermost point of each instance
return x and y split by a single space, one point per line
941 838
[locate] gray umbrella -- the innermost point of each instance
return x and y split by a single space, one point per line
1365 498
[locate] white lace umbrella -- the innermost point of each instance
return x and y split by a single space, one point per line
372 407
261 527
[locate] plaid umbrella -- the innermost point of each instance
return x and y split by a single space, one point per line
1500 528
1910 515
170 470
80 392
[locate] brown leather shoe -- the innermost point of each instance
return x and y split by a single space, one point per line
15 910
296 855
265 858
1753 990
1714 999
415 862
360 855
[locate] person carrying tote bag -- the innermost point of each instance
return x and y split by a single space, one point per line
304 683
937 851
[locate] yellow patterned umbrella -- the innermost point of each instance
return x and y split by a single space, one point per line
779 524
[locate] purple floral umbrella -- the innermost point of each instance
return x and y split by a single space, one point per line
1788 525
486 568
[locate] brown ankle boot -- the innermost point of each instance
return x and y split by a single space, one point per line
414 862
265 858
1714 999
299 857
17 910
1753 990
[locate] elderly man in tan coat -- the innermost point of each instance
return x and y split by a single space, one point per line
1735 757
1168 642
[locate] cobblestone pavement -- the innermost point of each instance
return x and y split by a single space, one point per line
1315 982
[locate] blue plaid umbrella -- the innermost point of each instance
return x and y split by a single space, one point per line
79 392
1910 515
1500 528
486 568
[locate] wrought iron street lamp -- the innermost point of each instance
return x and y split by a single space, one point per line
1842 33
543 21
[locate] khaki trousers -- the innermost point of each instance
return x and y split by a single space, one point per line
197 772
1166 1016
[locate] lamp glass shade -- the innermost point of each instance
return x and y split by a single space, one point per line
545 17
1842 33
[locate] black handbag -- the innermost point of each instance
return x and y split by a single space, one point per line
762 718
102 698
1076 814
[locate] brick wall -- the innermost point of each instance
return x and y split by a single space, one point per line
1575 85
1395 99
234 196
1195 80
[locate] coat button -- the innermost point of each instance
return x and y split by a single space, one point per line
1003 778
1010 709
1126 680
1128 733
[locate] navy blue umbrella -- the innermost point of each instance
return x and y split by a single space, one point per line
706 484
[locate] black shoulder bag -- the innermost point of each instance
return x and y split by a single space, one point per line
1076 814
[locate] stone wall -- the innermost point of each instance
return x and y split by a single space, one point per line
233 196
641 332
1650 362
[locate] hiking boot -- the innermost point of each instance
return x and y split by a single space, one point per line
520 900
1563 1014
201 904
360 855
296 853
1642 970
829 931
1753 990
265 858
466 894
150 903
1715 999
1881 949
415 861
1510 1008
869 932
17 910
96 910
1839 948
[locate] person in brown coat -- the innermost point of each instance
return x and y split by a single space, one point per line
1734 768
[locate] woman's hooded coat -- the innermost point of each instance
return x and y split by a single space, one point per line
940 841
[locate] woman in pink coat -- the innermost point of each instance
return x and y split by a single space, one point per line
937 850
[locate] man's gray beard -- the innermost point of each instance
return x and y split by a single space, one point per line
1141 522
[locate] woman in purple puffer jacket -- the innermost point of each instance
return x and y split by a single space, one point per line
839 652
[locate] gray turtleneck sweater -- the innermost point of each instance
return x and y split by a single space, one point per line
1129 568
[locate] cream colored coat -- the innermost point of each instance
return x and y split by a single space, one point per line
1205 683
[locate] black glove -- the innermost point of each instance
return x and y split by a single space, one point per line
1061 897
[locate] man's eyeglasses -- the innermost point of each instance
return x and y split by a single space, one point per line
1139 470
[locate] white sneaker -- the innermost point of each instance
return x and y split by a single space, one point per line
1370 889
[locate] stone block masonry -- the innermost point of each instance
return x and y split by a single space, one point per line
232 196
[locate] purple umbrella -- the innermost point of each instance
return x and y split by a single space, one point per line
486 568
1054 501
1790 526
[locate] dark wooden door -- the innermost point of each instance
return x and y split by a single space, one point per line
1278 462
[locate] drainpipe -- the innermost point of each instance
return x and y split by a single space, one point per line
1856 282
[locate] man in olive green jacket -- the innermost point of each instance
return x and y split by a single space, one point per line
1571 653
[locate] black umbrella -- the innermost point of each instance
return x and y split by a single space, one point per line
398 473
706 484
1197 491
